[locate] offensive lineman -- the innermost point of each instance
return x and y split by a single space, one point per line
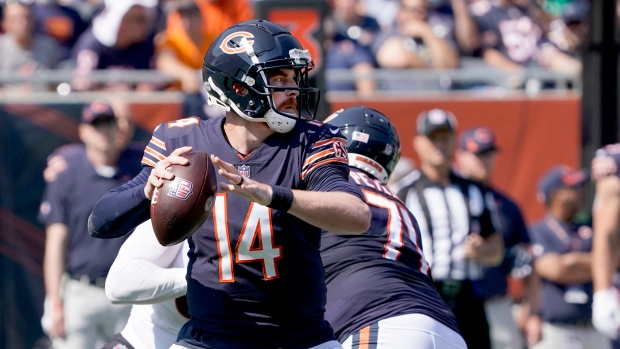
379 291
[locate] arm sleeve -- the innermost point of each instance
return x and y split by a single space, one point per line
144 272
121 209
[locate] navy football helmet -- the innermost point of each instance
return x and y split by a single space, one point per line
243 54
372 140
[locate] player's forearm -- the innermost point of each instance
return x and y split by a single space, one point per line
54 260
606 221
602 259
337 212
120 210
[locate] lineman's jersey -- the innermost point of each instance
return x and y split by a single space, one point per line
381 273
255 275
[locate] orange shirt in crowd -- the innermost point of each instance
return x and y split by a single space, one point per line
217 16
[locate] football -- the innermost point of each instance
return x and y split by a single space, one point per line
184 203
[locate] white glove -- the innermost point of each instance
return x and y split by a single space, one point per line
606 312
46 319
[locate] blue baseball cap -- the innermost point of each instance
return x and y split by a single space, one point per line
97 111
560 177
478 140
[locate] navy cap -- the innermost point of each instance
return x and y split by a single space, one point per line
97 110
478 140
560 177
433 120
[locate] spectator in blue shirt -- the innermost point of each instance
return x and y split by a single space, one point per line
562 255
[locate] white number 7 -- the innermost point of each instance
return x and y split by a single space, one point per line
257 228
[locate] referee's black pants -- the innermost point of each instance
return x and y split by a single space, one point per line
466 302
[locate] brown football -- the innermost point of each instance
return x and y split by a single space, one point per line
184 203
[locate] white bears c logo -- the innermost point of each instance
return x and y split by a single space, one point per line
228 47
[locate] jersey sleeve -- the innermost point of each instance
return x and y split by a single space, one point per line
143 271
156 149
121 209
53 206
326 165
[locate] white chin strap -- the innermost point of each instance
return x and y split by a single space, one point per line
279 123
368 165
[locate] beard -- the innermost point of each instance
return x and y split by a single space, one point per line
288 106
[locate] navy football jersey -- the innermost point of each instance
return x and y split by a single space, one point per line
381 273
255 276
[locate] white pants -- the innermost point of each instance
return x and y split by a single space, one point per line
413 331
571 337
326 345
504 331
90 318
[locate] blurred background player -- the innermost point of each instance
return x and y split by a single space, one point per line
379 292
561 249
152 277
278 175
606 247
77 312
476 159
458 235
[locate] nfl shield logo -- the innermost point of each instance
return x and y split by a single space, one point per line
244 170
180 188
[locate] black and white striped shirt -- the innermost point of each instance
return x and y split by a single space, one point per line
446 215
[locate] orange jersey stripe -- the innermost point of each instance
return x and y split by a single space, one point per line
328 141
158 143
365 338
318 156
148 161
320 163
154 153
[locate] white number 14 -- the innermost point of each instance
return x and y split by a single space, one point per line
257 231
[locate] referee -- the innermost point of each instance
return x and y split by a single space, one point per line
458 236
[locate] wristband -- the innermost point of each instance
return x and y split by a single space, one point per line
281 199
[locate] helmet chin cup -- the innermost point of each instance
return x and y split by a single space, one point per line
278 122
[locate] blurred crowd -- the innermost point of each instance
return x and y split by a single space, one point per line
361 36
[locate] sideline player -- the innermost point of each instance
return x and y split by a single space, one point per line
255 277
379 292
152 278
606 244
